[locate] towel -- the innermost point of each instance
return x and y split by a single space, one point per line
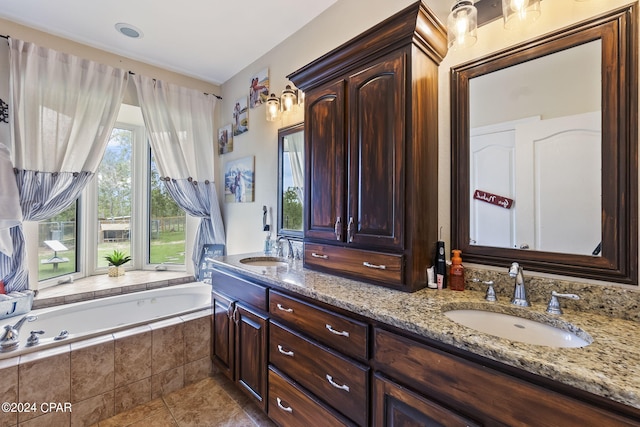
10 212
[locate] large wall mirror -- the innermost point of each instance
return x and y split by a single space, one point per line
291 180
544 146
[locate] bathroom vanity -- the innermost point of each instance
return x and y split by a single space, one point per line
316 346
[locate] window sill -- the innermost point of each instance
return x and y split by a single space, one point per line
95 287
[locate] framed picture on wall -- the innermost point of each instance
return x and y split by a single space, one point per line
239 180
259 88
240 116
225 139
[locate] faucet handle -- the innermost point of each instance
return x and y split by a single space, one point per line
491 293
33 338
554 304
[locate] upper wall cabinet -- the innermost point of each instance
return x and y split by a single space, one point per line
371 144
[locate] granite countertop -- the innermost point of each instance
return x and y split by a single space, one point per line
608 367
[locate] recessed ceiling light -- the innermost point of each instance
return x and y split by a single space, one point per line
129 30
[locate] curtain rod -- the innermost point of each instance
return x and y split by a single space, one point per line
130 72
212 94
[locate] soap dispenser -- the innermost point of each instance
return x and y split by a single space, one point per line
456 274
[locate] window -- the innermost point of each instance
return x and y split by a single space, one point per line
57 244
115 196
125 207
167 223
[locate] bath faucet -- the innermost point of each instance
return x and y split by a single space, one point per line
290 254
10 340
519 291
279 252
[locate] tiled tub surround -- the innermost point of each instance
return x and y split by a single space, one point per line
106 375
101 286
608 367
92 318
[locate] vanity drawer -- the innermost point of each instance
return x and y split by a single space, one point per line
290 405
513 401
334 330
335 379
377 266
240 289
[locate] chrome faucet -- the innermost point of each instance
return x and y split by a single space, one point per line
519 291
10 339
280 252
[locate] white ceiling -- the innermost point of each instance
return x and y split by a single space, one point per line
211 40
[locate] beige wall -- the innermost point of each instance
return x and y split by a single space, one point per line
344 20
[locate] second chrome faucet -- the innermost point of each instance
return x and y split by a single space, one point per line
519 291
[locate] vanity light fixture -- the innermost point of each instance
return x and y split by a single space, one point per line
462 24
273 108
517 12
289 99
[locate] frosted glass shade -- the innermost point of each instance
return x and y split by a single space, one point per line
519 12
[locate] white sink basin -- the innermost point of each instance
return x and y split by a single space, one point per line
264 261
516 328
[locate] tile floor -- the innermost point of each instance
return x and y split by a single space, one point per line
212 402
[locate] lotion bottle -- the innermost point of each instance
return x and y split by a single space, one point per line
456 273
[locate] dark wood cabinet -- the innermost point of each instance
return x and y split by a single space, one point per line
397 406
325 162
223 330
372 144
251 352
292 405
240 333
376 184
488 395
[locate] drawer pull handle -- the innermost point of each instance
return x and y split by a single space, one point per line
333 331
377 266
281 308
315 255
281 406
285 352
336 385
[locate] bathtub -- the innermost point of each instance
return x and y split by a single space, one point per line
87 319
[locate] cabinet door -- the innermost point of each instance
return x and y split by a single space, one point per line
223 328
395 406
251 351
325 163
376 144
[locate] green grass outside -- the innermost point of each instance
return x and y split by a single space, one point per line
168 247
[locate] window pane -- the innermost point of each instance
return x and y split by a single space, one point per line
57 244
114 196
166 224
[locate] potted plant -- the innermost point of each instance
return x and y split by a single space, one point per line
116 261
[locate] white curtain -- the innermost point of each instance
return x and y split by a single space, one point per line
62 111
180 124
296 159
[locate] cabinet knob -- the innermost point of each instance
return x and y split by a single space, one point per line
376 266
338 228
336 385
282 350
333 331
350 230
281 406
283 308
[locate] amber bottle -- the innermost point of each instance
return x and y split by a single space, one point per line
456 273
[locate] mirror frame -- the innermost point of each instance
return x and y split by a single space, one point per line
292 234
618 263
